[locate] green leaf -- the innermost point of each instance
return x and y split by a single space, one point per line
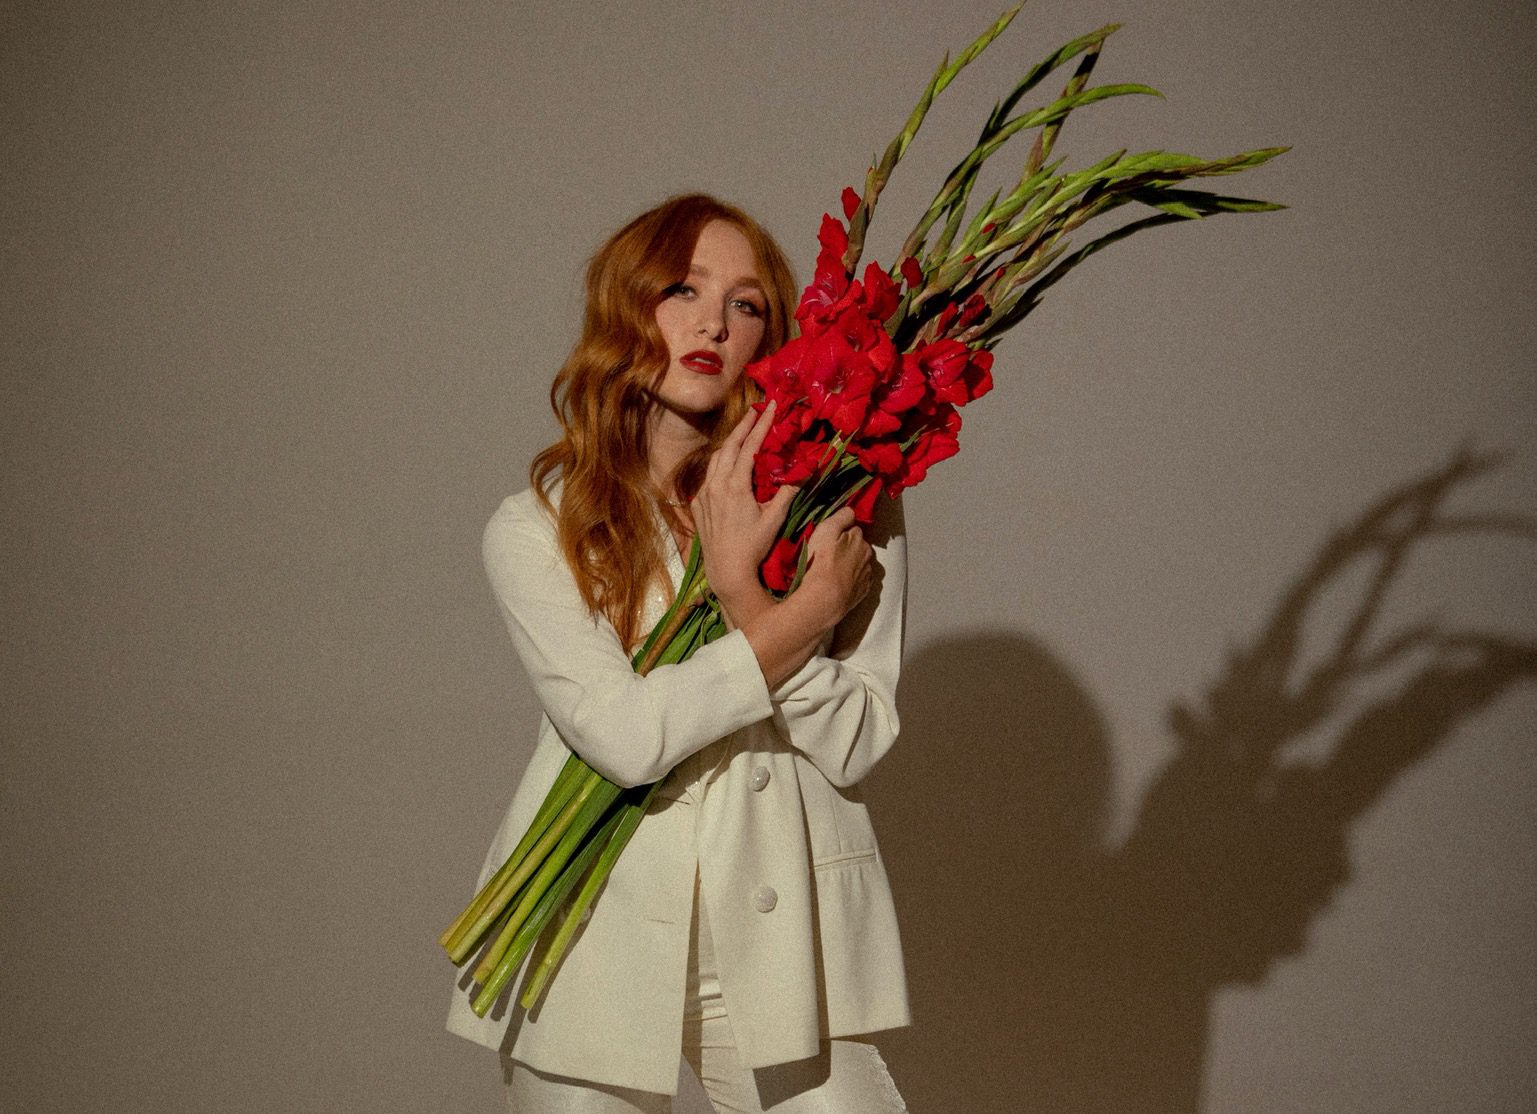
1199 203
880 172
1033 77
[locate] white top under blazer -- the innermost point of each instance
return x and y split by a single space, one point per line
763 796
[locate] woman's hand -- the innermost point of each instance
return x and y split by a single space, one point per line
736 533
735 530
840 569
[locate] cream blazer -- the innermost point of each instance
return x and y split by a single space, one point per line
805 932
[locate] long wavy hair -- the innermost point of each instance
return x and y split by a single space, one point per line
602 398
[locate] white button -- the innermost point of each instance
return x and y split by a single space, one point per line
759 778
764 899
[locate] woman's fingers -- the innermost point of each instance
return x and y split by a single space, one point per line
735 456
830 530
742 428
754 438
730 466
862 586
842 562
775 510
725 458
839 521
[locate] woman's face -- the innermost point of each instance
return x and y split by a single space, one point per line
712 321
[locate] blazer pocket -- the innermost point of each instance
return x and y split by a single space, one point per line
844 858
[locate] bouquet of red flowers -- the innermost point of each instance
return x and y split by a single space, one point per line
867 399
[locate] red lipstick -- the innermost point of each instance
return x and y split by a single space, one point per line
702 361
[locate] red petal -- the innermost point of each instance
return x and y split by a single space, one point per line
833 237
864 503
880 423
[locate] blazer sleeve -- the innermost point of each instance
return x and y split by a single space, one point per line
631 729
839 709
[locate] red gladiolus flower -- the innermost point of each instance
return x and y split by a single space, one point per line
954 372
946 316
879 422
979 375
843 381
882 295
904 390
794 464
934 444
840 381
778 568
971 311
831 282
879 458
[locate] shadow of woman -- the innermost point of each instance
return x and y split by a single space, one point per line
1052 971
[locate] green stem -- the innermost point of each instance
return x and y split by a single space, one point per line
528 931
614 845
566 783
574 821
688 594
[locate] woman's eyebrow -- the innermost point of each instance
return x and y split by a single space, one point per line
745 280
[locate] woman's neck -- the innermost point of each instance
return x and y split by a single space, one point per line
671 437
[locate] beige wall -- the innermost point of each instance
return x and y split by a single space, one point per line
285 285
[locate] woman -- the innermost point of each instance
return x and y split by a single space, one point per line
748 925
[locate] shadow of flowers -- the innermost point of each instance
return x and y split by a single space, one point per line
1054 971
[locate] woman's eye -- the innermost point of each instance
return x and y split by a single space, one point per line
750 307
678 288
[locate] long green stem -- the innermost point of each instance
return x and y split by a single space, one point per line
533 924
592 809
555 836
689 593
613 846
566 783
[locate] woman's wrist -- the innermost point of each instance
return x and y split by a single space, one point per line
742 603
734 585
784 634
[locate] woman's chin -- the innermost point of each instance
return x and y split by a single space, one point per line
693 406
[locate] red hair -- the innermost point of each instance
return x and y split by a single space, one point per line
601 398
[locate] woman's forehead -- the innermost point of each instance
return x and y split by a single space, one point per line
724 251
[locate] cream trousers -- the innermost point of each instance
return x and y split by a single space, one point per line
848 1077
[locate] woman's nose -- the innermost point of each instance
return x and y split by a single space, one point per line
712 323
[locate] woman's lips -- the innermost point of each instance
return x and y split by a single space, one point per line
705 363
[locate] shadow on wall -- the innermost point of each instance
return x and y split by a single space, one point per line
1052 971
